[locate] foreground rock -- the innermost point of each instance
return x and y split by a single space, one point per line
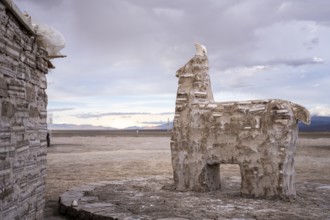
148 199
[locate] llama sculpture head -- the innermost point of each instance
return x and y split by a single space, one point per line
200 49
258 135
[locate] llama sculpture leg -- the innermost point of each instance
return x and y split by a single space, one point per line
258 135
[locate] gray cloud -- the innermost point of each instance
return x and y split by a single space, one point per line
311 43
158 35
123 114
46 4
266 65
153 122
59 109
307 10
165 113
296 62
92 115
239 84
132 48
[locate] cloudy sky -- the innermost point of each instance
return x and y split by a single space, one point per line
122 55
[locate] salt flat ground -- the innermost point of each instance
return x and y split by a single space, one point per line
75 160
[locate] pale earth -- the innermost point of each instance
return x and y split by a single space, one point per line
79 159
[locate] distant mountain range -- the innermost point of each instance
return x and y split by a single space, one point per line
165 126
318 124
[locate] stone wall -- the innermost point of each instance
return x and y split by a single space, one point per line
23 128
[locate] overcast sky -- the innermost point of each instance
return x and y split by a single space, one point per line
123 55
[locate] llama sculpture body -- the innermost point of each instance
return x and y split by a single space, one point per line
259 135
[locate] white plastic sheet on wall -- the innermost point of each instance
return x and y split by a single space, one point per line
51 39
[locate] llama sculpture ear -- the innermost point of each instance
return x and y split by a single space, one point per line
200 49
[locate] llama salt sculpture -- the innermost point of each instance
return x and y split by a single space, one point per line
258 135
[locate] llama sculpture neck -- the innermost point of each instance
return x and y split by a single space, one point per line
194 81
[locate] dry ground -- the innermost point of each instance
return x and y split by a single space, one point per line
76 160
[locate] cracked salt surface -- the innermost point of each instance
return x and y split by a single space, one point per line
312 179
144 199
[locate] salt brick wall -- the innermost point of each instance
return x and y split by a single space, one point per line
23 128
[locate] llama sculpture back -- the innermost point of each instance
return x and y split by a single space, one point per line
258 135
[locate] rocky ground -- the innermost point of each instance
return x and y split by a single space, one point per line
75 160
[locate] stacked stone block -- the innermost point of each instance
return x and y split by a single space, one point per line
23 128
